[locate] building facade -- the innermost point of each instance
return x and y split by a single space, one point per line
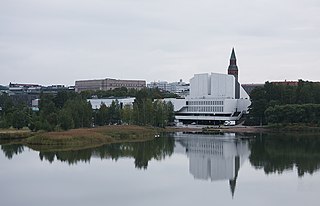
214 98
108 84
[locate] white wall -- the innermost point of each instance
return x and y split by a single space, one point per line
199 85
177 103
243 93
212 86
222 86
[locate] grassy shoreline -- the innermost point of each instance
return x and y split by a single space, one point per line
89 137
82 138
11 134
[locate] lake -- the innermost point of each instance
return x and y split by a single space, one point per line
175 169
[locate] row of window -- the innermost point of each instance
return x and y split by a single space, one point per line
205 148
126 85
205 109
204 102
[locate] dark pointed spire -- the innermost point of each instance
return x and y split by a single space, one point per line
233 61
232 184
233 70
233 54
233 181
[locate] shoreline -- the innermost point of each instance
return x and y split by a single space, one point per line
76 139
226 129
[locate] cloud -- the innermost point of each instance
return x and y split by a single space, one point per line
61 41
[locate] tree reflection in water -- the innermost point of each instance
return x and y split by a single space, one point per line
276 153
142 152
10 150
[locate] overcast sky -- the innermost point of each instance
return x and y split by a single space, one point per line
60 41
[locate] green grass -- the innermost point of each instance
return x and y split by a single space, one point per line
88 138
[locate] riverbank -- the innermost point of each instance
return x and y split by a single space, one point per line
89 137
12 134
93 137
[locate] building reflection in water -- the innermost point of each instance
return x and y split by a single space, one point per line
214 157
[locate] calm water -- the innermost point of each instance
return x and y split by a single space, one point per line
183 169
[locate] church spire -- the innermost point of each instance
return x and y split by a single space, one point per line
233 55
233 63
233 70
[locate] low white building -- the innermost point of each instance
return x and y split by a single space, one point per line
96 103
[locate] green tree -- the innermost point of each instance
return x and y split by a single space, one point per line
18 119
114 113
127 114
102 115
65 120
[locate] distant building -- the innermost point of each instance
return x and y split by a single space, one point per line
214 98
286 83
180 88
161 85
3 89
15 88
108 84
26 93
35 105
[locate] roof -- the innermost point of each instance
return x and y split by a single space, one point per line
233 54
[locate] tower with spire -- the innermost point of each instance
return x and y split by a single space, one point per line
233 70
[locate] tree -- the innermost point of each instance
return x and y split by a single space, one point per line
127 114
257 108
65 120
102 115
114 113
18 119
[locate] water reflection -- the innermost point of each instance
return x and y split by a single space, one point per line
217 157
10 150
276 153
142 152
211 157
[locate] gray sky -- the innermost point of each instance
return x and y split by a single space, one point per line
60 41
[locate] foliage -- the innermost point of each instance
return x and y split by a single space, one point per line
67 110
284 103
153 93
16 116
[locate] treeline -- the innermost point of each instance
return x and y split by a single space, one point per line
63 111
13 115
145 111
68 110
285 104
125 92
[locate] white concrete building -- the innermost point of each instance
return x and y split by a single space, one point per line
214 98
